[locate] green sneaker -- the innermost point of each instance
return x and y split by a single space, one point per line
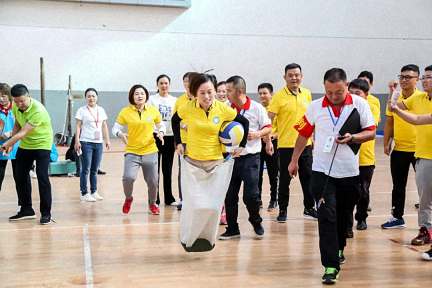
330 276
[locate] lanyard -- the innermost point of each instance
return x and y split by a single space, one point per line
97 115
334 121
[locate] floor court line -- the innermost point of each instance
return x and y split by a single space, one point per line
88 266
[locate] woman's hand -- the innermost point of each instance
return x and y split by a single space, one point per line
180 149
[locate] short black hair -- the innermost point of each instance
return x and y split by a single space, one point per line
366 74
292 66
198 79
90 89
186 75
266 86
238 82
335 75
19 90
411 67
163 76
428 68
359 84
132 92
220 83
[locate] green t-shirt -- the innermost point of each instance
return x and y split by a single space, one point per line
41 137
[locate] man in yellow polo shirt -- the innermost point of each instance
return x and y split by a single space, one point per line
33 128
289 105
360 87
404 136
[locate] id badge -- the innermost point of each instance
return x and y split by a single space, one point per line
97 135
329 144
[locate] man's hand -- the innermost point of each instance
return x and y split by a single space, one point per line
160 135
387 148
293 168
344 139
108 145
236 152
269 148
252 135
180 149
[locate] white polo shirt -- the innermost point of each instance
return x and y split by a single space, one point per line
91 123
258 119
165 105
325 120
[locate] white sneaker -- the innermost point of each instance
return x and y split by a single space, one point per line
174 204
87 198
33 174
97 196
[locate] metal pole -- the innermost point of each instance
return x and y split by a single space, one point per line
42 81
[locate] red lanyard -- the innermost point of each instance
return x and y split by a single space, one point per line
97 115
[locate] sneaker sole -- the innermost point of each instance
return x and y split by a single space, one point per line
281 221
259 237
23 218
229 237
45 223
426 257
395 227
308 217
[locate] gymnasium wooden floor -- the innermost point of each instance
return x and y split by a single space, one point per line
94 245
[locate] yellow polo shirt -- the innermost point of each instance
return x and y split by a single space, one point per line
367 149
289 108
421 104
203 129
274 122
181 101
140 128
404 134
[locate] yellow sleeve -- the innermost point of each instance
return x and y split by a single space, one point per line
121 119
229 113
274 104
158 116
182 110
177 103
388 112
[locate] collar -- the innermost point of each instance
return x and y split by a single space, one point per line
5 110
246 105
197 105
348 101
136 109
289 92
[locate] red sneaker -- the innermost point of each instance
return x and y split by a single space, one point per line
422 238
127 205
154 209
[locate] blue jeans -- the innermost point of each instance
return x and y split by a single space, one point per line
90 161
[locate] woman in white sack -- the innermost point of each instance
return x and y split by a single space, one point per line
205 176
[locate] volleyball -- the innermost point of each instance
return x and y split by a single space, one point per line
231 133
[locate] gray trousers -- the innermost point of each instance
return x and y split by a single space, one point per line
424 187
149 166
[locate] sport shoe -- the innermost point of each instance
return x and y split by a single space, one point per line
310 214
272 205
23 216
33 174
45 220
422 238
154 209
97 196
342 258
87 198
259 231
229 235
282 217
179 206
394 223
173 204
331 275
417 205
349 233
427 255
127 205
361 225
369 209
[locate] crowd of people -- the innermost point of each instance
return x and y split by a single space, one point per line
328 142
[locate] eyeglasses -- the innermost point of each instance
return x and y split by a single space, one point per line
406 77
294 76
424 78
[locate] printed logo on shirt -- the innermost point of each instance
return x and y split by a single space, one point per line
149 119
165 111
216 120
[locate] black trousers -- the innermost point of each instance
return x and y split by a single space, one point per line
24 162
272 171
340 196
3 164
166 156
399 166
246 170
366 173
305 172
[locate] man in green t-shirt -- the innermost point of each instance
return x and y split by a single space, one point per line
33 128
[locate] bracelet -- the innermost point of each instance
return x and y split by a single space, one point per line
352 139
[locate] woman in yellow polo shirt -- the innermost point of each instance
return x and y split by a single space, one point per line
204 117
138 119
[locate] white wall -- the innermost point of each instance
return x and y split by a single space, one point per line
111 47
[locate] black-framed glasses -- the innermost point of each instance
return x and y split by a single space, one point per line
424 77
406 77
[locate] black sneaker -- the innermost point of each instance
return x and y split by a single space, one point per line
282 216
179 206
23 216
369 209
342 258
272 205
259 231
100 172
349 233
44 220
331 275
229 235
260 204
310 214
417 205
361 225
